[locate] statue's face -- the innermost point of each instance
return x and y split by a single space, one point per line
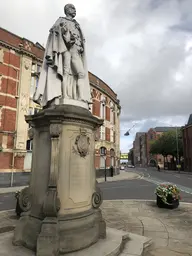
71 11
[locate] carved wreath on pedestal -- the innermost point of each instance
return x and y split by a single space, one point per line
97 197
23 199
82 143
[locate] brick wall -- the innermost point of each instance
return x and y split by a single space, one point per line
8 86
19 162
15 41
8 101
8 119
12 59
5 160
8 71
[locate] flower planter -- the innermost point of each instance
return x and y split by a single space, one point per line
171 203
168 196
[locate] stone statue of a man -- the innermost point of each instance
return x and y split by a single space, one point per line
64 73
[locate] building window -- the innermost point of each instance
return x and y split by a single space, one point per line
111 135
33 68
112 155
102 132
102 107
102 162
103 152
29 145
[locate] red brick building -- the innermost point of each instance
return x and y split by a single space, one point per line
154 134
20 62
142 144
187 145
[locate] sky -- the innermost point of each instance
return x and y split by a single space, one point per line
141 48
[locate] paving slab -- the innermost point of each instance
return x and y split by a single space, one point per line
170 230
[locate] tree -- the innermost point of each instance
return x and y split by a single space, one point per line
167 144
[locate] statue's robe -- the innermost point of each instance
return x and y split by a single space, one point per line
51 77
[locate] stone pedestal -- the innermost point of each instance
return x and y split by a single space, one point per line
64 214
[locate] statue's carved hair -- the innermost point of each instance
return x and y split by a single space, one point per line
67 6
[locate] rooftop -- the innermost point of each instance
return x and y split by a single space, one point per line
165 129
190 120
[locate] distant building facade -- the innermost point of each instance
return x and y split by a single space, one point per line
139 148
187 145
20 64
142 145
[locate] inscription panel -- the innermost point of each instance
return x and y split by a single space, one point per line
79 182
80 168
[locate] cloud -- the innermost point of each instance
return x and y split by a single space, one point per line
142 49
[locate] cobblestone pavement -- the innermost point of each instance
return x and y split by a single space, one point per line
170 229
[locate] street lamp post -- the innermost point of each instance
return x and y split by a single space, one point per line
105 157
177 143
127 133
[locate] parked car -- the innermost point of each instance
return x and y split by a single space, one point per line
122 167
131 166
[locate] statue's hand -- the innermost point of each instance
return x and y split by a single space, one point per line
63 27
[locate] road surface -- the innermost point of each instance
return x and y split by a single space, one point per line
140 189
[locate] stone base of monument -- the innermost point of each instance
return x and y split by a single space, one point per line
117 242
63 196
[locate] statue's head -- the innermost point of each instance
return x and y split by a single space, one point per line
70 10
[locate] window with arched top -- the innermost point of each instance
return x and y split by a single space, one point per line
102 107
103 151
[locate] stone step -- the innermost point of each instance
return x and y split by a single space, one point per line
117 242
148 249
136 245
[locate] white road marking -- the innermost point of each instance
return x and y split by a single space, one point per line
158 182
